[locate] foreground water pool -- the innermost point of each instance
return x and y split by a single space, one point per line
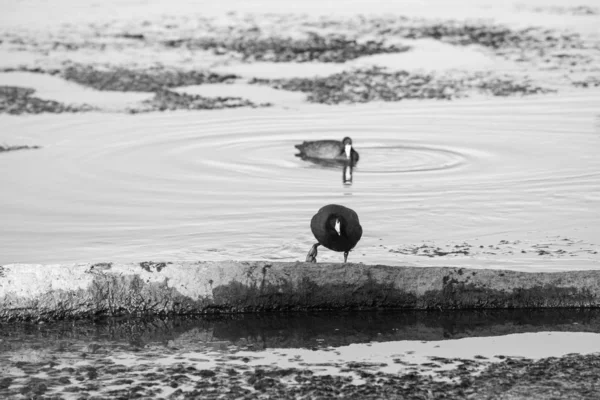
310 354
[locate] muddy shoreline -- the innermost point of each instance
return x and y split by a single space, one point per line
533 57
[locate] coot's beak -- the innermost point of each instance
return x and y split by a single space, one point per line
312 254
348 150
338 227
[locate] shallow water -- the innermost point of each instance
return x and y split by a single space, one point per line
187 357
298 330
522 173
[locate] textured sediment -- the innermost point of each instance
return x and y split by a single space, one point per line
360 59
46 292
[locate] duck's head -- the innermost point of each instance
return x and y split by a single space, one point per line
347 143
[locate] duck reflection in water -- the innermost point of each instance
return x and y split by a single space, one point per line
347 174
335 227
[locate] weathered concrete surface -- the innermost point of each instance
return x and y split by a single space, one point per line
42 292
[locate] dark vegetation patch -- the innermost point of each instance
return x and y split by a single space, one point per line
427 250
331 48
35 70
588 82
575 10
558 247
18 100
326 39
353 38
132 80
454 32
102 266
251 38
13 148
15 100
506 86
379 84
491 36
136 36
151 266
168 100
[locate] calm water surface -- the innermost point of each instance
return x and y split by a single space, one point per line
298 330
227 185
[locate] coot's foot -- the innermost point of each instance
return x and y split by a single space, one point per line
312 254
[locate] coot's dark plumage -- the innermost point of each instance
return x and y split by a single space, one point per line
335 227
329 150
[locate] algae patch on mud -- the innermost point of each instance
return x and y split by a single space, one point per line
137 57
380 84
14 148
19 100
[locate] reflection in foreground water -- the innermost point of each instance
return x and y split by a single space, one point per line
304 330
288 356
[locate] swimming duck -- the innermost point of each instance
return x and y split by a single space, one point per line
335 227
329 150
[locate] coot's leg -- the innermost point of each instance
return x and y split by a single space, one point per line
346 256
312 253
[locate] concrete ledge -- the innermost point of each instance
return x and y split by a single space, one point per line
44 292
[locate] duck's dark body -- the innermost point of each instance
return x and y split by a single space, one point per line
327 150
323 224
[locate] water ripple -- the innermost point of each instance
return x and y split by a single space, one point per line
177 184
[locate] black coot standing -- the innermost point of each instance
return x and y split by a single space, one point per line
335 227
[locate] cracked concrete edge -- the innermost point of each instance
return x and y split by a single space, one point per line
46 292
